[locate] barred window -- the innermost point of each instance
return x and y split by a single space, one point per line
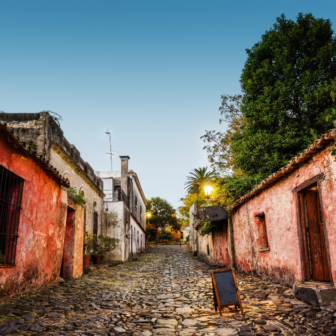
11 187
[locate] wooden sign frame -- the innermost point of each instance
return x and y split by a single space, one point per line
216 295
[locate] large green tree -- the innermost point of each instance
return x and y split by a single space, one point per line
286 84
162 214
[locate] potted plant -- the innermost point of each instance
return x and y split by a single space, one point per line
101 246
88 247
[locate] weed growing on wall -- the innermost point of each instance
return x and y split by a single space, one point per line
32 144
205 227
72 192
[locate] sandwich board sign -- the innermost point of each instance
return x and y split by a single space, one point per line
225 289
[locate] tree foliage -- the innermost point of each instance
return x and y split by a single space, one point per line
230 188
165 235
197 179
152 232
218 143
286 83
183 210
163 215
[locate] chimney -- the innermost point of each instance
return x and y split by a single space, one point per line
124 173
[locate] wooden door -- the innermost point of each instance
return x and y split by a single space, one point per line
316 238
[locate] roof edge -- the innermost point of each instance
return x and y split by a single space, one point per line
133 173
317 146
11 138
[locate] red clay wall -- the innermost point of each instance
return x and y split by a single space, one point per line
39 248
283 260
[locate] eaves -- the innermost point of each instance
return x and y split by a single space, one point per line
22 145
68 159
136 220
318 145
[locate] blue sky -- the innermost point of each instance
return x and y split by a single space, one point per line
152 72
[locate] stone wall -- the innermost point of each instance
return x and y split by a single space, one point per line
205 248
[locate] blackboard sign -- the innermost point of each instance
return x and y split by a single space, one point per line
225 289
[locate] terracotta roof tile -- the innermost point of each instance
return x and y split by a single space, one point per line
317 146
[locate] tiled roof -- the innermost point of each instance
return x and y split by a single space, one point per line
15 140
318 145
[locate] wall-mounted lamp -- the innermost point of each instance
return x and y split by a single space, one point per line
208 189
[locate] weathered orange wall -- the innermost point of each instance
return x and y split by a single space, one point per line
79 241
39 248
283 260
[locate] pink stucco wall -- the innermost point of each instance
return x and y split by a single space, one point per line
283 260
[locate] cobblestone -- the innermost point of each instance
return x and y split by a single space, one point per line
165 292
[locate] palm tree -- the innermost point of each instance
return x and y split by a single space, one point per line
197 179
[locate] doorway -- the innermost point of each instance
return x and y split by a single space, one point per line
316 257
95 223
66 271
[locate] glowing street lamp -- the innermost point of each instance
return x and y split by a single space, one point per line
148 214
208 189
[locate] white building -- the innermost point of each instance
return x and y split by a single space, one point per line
124 212
185 233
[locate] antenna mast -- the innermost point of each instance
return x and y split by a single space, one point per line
111 151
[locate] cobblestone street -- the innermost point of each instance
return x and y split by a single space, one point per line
164 292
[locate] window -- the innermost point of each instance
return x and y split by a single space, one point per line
11 187
262 232
208 250
140 212
136 202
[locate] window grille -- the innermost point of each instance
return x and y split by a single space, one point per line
11 187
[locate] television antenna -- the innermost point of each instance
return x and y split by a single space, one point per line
111 151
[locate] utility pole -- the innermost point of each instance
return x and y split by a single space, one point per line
111 151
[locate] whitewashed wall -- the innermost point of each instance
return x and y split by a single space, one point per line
113 227
138 244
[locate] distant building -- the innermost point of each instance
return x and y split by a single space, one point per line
185 233
124 212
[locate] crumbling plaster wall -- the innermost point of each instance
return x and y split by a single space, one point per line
94 201
113 226
42 131
78 238
283 260
39 249
203 243
221 245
